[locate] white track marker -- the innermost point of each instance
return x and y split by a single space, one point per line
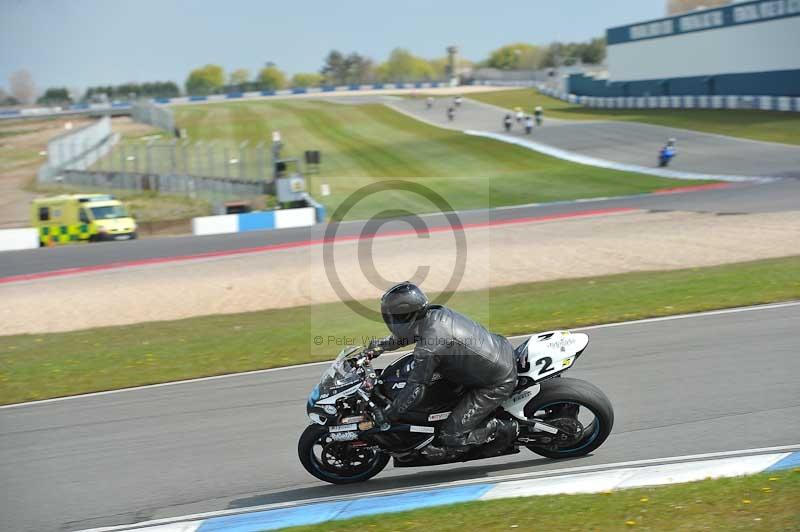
499 479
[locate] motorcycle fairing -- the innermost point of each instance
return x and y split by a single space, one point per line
515 405
540 357
549 354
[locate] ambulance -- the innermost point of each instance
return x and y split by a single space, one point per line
75 218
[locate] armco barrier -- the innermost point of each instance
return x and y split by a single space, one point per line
13 239
763 103
302 217
215 225
258 221
83 107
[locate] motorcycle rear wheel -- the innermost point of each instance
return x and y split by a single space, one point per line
337 462
559 401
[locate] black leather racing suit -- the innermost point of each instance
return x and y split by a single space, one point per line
462 352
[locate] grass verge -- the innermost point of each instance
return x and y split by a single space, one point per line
767 501
364 143
770 126
51 365
145 207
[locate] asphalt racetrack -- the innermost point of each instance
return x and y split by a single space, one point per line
781 195
704 383
624 142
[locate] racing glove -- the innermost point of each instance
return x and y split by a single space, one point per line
376 346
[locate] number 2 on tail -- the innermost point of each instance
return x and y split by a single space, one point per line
546 363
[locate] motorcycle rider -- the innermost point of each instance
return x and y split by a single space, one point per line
667 152
458 350
538 115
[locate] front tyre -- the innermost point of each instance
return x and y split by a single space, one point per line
338 462
576 407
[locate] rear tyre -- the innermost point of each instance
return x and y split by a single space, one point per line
570 403
337 462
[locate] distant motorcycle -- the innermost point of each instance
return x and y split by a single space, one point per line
666 153
349 439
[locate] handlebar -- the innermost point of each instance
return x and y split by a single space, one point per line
377 412
373 352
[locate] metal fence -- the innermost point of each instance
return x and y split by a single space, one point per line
211 159
211 189
81 146
211 171
146 112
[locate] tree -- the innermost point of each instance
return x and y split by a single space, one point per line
271 78
569 53
55 95
153 89
339 69
22 87
306 79
403 66
516 56
594 52
358 69
205 80
240 76
439 67
7 99
334 70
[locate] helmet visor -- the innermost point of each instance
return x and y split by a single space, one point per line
401 325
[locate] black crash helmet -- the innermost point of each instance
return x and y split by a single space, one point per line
401 306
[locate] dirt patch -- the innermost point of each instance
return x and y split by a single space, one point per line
502 255
125 126
23 145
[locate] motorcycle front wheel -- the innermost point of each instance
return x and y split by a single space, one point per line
338 462
578 408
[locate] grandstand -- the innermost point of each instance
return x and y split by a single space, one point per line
744 48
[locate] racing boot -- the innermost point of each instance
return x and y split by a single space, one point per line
499 432
448 448
507 431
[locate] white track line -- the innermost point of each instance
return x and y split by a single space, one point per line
575 157
482 480
734 310
703 314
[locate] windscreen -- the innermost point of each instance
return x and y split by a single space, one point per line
340 374
109 212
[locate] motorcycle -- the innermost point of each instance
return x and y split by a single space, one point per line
665 155
350 441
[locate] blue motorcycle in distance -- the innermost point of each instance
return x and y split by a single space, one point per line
666 153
